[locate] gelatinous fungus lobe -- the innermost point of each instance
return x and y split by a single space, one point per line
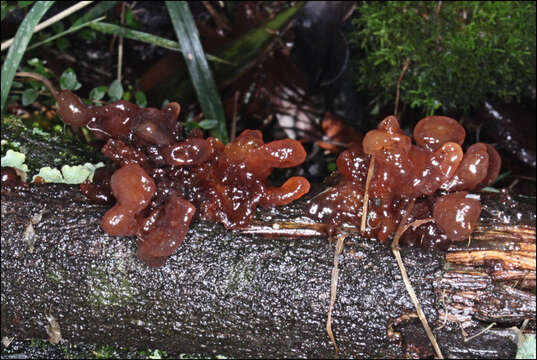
433 131
164 230
133 190
235 183
457 214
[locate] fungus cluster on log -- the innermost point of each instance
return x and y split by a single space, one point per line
164 179
436 172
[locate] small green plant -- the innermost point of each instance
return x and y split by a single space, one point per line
459 52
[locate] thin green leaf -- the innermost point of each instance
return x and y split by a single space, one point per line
189 125
20 42
242 53
68 31
29 96
200 73
96 11
145 37
115 91
4 9
22 4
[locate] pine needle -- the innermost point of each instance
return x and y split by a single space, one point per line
333 288
406 280
370 172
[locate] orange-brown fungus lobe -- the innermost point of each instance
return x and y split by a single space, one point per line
403 172
432 131
457 214
164 230
133 189
230 185
163 174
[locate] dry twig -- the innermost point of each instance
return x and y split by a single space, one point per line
370 172
333 288
52 20
403 71
395 249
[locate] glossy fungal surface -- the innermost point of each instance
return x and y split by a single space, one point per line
457 214
403 172
164 179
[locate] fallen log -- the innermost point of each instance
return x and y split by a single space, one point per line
241 294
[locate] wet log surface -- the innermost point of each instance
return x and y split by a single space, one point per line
222 292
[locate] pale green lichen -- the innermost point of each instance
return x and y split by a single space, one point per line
69 174
15 160
526 347
76 174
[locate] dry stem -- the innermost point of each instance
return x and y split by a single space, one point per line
52 20
516 259
403 71
120 44
395 249
333 288
370 172
40 78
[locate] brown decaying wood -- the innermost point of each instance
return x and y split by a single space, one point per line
514 259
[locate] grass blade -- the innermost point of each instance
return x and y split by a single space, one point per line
52 20
200 73
145 37
20 42
242 53
96 11
63 33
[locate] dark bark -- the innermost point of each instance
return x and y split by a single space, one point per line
228 292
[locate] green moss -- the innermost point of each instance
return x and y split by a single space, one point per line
38 343
42 148
57 275
103 292
460 52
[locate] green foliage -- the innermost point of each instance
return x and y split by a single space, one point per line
29 96
115 91
196 62
141 99
459 52
17 49
98 93
68 80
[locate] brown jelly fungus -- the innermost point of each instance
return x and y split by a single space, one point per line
404 172
457 214
164 179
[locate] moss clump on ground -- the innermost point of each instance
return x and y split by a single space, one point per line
460 52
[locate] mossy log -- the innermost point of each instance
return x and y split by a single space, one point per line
227 292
